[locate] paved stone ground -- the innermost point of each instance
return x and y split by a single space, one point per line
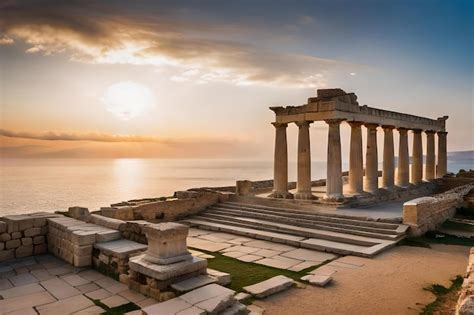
257 251
47 285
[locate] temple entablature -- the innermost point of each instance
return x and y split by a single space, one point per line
337 104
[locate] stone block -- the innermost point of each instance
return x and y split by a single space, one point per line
221 278
82 261
173 306
40 239
3 227
110 223
107 236
33 231
7 254
317 280
5 237
217 304
243 188
24 251
2 245
40 249
16 235
12 244
166 243
79 213
192 283
83 238
18 223
270 286
26 241
39 221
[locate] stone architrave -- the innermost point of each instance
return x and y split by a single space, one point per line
334 161
388 172
430 164
280 167
403 170
303 187
166 243
417 158
371 160
356 163
442 167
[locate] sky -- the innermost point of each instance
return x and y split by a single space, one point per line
194 79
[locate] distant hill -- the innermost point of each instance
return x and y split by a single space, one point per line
461 155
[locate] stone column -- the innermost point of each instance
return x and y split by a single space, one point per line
388 172
334 161
371 160
417 158
403 170
442 168
356 163
303 185
280 167
430 164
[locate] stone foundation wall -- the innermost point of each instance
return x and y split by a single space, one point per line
465 304
428 213
23 235
185 203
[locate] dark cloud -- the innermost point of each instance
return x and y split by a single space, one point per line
92 31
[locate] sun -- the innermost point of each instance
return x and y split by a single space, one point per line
128 100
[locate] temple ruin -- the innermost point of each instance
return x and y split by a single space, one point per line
335 106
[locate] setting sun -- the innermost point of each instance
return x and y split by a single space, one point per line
128 100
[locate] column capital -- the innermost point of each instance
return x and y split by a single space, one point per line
334 121
430 132
402 130
371 126
279 125
388 127
303 123
442 133
417 130
355 124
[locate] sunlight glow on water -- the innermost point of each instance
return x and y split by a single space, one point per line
28 185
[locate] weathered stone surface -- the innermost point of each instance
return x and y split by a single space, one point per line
98 294
12 244
3 227
173 306
270 286
24 251
192 283
66 306
466 307
40 239
16 235
242 296
222 278
205 293
114 301
4 237
236 309
21 290
2 245
79 213
22 302
217 304
18 223
317 280
40 249
60 288
110 223
33 232
166 243
26 241
165 272
120 248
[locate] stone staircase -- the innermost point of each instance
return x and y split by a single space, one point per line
320 231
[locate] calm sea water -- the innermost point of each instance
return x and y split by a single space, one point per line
56 184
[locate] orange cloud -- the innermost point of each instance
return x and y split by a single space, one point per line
92 33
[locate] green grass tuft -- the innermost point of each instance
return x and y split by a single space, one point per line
440 292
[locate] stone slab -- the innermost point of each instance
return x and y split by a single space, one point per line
65 306
353 260
75 280
317 280
279 262
222 278
307 254
217 304
132 296
234 254
89 287
111 285
270 286
23 279
93 310
165 272
192 283
270 245
26 301
337 264
206 245
59 288
91 275
5 284
242 249
249 258
20 291
303 265
98 294
24 311
114 301
205 293
170 307
120 248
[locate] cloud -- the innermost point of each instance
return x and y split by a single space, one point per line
64 136
201 53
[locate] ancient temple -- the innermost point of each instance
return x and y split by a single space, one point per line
335 106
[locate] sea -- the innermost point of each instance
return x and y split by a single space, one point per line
30 185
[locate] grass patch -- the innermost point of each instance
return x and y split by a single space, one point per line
247 273
122 309
445 297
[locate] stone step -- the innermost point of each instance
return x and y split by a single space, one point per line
336 218
295 230
353 229
329 246
348 230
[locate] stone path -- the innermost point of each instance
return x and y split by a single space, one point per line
47 285
261 252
